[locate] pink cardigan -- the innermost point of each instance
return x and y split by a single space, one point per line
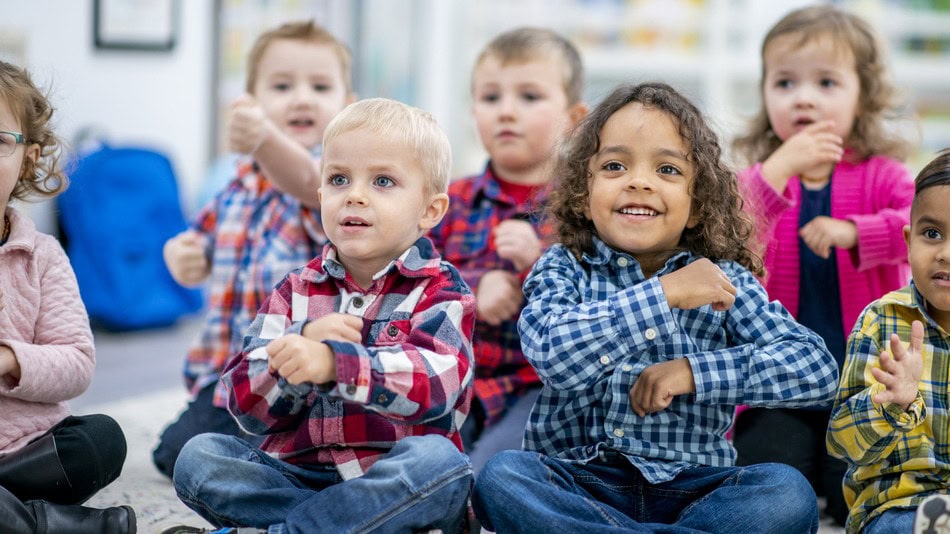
45 323
875 195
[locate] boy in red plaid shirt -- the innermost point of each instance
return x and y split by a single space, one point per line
358 369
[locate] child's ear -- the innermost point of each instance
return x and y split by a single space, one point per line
577 112
32 154
906 231
434 212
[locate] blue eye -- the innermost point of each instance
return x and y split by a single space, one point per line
783 84
338 179
828 82
384 181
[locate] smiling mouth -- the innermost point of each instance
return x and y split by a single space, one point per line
639 211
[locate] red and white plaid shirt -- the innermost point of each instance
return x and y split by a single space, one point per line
410 376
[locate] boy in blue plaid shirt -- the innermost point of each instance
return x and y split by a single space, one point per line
647 327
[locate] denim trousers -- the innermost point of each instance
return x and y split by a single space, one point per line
520 491
423 483
893 520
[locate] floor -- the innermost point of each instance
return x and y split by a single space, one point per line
138 382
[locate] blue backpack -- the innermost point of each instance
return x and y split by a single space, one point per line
121 206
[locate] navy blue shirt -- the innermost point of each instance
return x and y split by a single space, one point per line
819 297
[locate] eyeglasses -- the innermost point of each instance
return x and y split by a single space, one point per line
9 141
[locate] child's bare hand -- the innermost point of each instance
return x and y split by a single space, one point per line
186 259
699 283
247 125
901 369
8 363
822 233
658 384
300 360
498 296
335 327
517 242
815 146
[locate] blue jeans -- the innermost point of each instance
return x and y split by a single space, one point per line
893 520
520 491
423 483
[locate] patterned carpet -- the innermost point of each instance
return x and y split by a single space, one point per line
140 485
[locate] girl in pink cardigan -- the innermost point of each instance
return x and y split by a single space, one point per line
830 198
49 461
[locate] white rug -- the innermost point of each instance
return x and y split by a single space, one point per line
141 485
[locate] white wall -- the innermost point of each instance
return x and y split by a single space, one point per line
156 99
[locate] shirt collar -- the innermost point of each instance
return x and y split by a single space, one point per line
604 254
420 260
22 231
910 297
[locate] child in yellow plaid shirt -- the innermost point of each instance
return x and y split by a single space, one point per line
890 420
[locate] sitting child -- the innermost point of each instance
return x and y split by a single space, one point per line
647 327
50 461
890 419
358 369
265 222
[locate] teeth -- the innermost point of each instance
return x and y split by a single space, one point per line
638 211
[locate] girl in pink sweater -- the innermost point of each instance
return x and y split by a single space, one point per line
830 197
49 461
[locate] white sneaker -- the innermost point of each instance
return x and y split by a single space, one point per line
933 515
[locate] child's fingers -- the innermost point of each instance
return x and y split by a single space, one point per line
917 337
897 348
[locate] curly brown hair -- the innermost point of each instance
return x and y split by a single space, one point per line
43 177
724 228
878 101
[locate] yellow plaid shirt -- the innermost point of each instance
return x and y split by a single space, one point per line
896 458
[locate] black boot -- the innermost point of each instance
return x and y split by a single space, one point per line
34 471
74 519
41 517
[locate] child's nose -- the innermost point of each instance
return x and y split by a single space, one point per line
640 180
356 196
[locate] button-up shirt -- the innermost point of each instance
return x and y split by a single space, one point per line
592 325
411 374
896 458
464 238
256 235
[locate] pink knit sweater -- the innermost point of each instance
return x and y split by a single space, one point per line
875 195
45 323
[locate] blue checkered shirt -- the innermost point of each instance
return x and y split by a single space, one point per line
593 325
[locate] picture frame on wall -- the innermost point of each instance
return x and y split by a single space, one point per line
147 25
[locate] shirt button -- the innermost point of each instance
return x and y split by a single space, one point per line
358 302
618 432
351 389
605 360
650 333
392 331
627 368
381 399
623 262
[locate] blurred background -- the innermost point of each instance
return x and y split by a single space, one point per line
159 73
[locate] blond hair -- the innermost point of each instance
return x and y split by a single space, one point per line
415 128
32 109
522 45
877 100
306 31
